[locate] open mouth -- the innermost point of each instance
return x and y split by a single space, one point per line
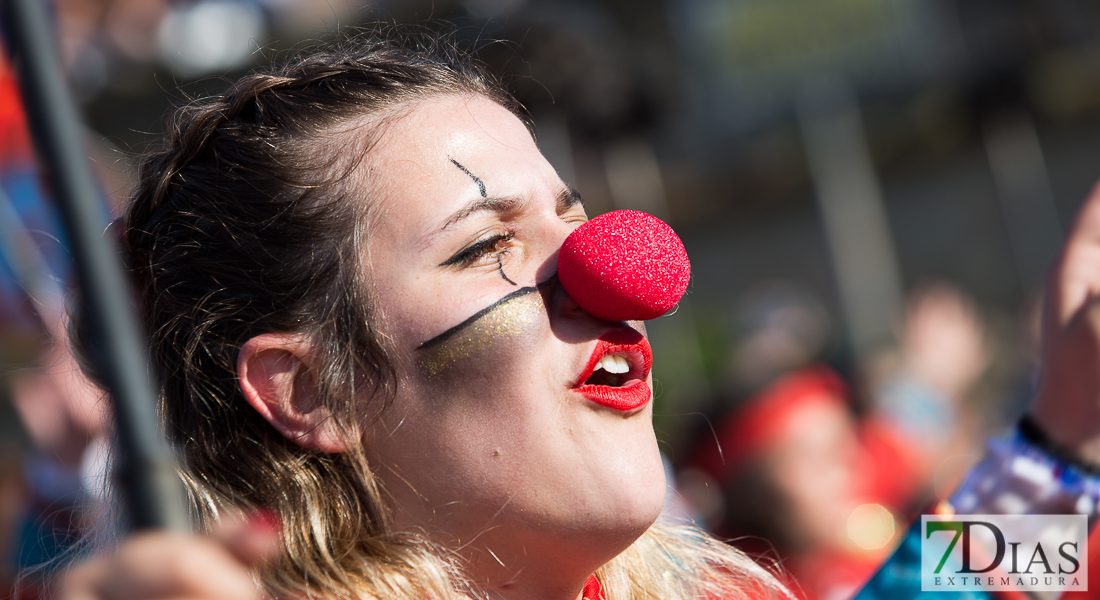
616 373
616 369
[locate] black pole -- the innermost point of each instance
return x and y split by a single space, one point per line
146 474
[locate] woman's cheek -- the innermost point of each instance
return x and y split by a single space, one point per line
495 344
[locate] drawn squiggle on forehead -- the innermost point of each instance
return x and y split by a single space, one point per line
508 317
477 180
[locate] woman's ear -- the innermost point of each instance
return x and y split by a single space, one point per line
276 379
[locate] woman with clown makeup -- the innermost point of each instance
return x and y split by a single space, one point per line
399 364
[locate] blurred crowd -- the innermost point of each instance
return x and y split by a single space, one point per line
820 470
820 436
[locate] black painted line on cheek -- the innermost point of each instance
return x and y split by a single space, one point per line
477 180
481 313
500 267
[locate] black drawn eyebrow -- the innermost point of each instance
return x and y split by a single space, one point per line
477 180
481 313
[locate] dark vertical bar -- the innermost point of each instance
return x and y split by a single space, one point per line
146 475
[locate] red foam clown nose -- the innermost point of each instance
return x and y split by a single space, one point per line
624 265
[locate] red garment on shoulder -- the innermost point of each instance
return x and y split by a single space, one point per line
592 589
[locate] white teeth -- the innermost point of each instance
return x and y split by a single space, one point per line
624 366
613 363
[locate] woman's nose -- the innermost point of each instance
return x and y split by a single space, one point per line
624 265
558 302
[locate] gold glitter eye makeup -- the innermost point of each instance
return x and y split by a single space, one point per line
507 318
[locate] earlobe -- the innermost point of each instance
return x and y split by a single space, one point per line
276 379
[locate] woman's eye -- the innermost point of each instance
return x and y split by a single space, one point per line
494 246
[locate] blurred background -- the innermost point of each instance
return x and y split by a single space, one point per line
869 190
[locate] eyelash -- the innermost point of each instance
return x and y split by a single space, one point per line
488 246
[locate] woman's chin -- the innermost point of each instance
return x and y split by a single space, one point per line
626 530
628 505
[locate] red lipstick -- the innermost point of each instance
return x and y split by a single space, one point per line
624 391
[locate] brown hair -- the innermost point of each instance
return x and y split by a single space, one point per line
250 221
